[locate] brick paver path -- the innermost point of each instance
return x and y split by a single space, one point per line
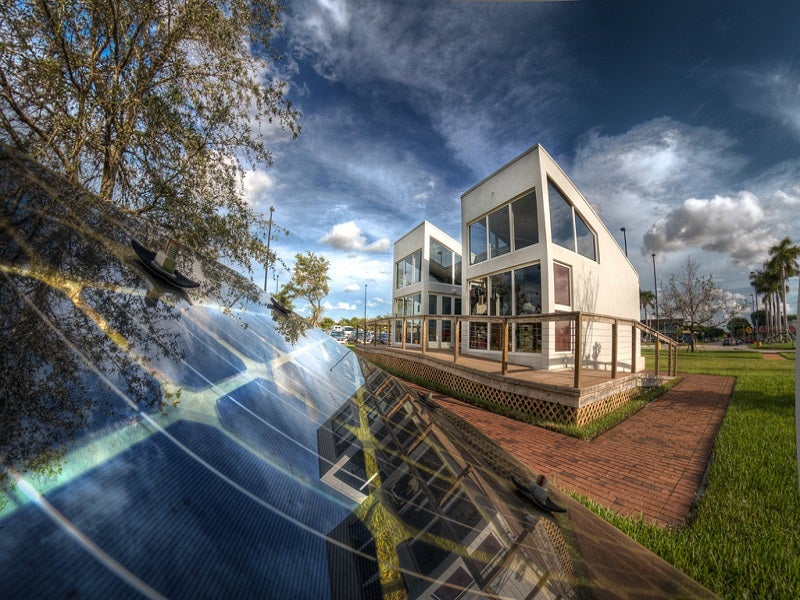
651 465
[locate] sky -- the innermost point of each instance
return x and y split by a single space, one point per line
677 120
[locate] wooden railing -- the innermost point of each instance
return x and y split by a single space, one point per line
582 338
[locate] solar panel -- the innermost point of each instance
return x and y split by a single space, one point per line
163 441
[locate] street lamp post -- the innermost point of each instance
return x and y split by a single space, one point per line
755 296
269 238
655 284
625 238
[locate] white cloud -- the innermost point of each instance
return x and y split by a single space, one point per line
345 306
255 186
772 91
348 236
733 225
443 56
353 287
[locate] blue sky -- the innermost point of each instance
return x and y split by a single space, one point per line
679 121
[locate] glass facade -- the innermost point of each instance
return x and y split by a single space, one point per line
499 232
567 227
477 242
408 270
509 293
511 227
444 265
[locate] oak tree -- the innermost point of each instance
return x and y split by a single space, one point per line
158 105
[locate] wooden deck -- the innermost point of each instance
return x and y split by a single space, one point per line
562 378
541 394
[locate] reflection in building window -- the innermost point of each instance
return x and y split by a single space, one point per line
478 302
477 336
500 304
567 227
526 221
440 269
409 270
562 230
528 289
585 238
499 232
561 285
477 242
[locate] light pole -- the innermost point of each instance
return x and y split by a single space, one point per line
624 237
269 238
755 296
655 284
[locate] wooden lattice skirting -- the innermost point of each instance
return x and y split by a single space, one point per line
541 402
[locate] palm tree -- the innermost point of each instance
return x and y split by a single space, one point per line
767 284
646 299
784 261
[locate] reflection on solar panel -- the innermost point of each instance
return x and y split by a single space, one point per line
194 443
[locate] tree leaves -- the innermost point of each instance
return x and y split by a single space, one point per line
156 105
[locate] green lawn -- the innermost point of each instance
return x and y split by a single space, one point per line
743 540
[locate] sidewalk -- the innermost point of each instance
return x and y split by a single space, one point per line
651 465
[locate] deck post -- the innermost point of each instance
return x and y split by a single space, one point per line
657 348
505 346
403 339
669 361
456 339
578 351
423 341
614 349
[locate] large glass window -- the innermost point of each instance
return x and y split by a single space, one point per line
499 232
528 289
477 242
561 226
561 285
500 304
408 306
478 300
526 221
409 270
457 270
433 300
567 227
440 266
584 238
447 305
511 227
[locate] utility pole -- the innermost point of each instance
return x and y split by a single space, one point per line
655 284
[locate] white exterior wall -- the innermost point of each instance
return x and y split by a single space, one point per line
608 286
419 238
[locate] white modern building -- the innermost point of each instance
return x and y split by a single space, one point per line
427 280
533 246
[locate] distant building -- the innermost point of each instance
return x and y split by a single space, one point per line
532 245
427 280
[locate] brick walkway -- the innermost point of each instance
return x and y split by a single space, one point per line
650 465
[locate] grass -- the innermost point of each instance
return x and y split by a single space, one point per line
743 539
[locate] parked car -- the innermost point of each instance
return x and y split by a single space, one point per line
176 433
339 336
